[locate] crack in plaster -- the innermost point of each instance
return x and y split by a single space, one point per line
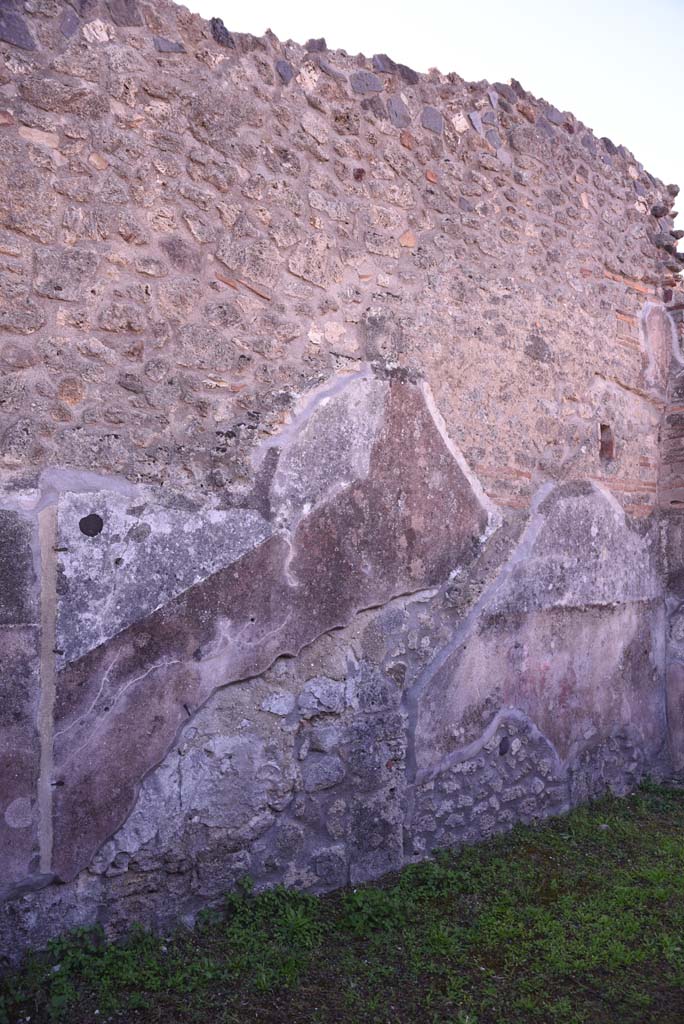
116 700
409 596
105 678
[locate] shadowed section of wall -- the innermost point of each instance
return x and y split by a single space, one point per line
340 454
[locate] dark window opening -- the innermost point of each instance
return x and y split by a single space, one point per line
606 443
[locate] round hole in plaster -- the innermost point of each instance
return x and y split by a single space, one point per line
91 525
504 746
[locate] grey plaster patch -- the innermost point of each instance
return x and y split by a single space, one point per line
585 554
18 594
143 556
19 814
285 71
19 754
576 673
328 446
230 772
399 530
565 633
661 343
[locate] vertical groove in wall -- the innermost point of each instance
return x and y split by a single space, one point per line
47 532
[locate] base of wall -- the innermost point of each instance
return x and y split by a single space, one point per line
514 777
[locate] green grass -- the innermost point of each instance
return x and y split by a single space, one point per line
577 921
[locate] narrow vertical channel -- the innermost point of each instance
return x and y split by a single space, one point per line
47 535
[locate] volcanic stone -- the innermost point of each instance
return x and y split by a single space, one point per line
432 120
14 30
365 81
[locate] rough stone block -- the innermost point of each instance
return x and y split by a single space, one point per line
330 866
377 838
322 771
316 261
125 13
221 34
14 29
365 81
255 259
398 112
64 273
163 45
432 119
69 24
285 71
70 97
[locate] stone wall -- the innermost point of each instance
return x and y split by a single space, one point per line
340 453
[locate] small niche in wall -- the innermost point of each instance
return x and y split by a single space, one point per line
91 525
606 443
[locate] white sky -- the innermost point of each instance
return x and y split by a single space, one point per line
613 63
